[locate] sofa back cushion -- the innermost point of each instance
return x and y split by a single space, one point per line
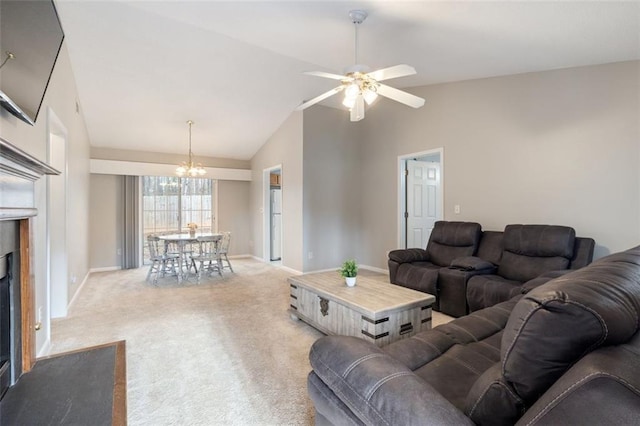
450 240
556 324
582 252
490 247
531 250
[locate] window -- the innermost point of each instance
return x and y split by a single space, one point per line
169 203
197 203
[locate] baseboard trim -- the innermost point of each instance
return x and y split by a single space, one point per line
367 267
45 350
318 271
284 268
242 256
374 269
287 269
75 295
106 269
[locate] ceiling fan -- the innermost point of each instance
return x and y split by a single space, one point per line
361 85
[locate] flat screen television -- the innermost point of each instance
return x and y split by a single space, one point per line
30 39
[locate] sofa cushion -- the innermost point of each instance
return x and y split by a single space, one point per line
490 247
556 324
421 276
452 356
487 290
378 389
530 250
582 252
428 345
450 240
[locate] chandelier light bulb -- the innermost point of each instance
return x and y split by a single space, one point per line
349 102
352 90
370 96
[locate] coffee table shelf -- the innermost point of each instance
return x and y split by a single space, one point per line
376 311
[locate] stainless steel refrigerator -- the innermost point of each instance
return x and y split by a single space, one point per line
276 224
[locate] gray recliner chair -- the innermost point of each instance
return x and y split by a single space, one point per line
528 252
418 268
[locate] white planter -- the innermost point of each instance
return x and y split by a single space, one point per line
351 281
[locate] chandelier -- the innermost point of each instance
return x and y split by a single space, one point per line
190 168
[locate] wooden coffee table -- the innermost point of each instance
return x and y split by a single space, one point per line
376 311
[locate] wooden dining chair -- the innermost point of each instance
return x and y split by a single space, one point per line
161 262
208 257
224 250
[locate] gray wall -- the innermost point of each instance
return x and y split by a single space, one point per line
283 148
107 221
332 185
61 97
558 147
234 214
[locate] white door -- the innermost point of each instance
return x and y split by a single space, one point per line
423 186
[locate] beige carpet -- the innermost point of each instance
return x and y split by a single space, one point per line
222 352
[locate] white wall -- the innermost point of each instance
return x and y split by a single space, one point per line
61 97
283 148
558 147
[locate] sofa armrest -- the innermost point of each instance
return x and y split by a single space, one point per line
452 289
602 388
377 388
409 255
472 263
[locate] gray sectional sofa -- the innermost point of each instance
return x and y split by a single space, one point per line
468 269
566 352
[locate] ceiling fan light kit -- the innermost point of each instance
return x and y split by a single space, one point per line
189 168
360 85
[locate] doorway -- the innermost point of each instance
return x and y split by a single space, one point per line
420 200
272 209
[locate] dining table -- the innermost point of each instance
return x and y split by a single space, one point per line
181 241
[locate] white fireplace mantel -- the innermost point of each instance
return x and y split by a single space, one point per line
18 172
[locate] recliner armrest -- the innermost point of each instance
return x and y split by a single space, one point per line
409 255
472 263
377 388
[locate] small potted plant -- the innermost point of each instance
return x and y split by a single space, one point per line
349 270
192 228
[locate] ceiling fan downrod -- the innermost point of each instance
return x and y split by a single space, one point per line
357 17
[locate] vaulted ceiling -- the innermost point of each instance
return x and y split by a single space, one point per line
143 68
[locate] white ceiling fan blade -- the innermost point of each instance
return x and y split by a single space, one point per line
320 98
400 96
392 72
326 75
357 112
